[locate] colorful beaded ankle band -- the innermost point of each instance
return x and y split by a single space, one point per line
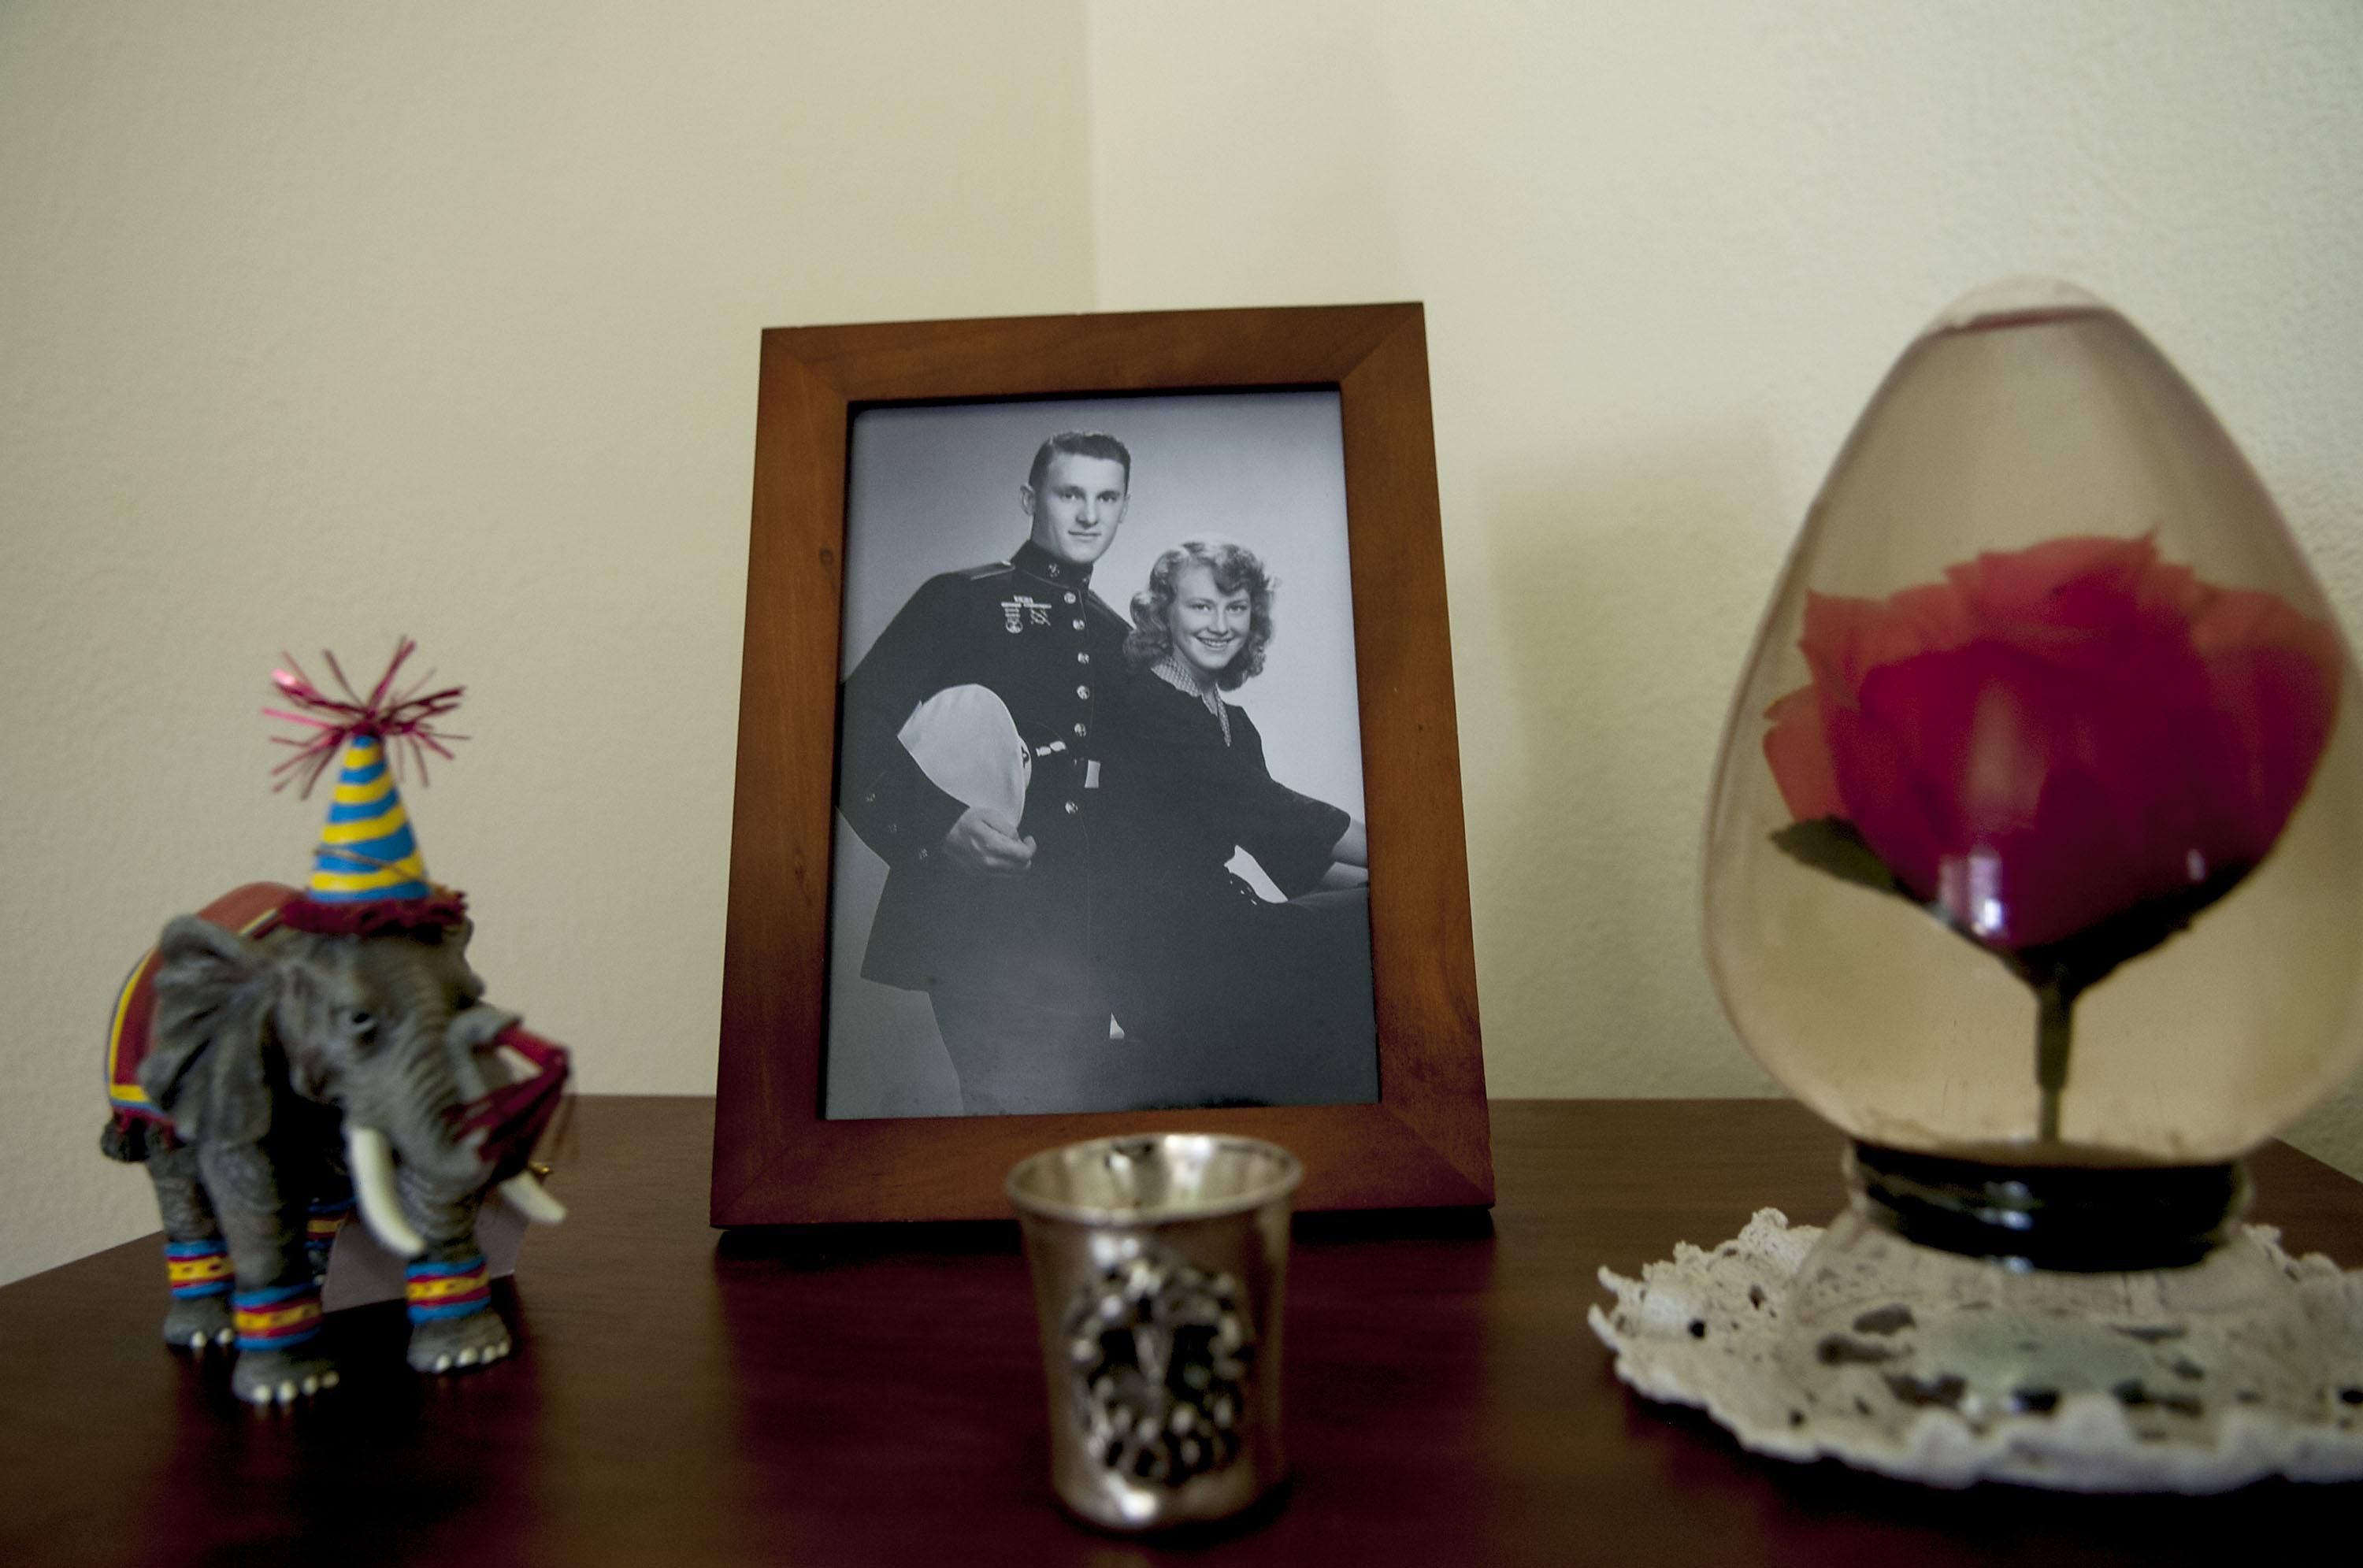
277 1319
326 1220
195 1269
439 1290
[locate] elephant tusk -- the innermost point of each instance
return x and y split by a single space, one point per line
531 1199
371 1160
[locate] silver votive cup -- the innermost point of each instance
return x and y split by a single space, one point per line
1160 1265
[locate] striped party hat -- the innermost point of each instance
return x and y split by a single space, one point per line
367 851
367 872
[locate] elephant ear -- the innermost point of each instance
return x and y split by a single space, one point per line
205 1067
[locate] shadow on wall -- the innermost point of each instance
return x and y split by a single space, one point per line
1625 599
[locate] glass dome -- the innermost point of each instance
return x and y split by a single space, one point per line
2037 828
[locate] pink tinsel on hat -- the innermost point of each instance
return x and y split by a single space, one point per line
408 717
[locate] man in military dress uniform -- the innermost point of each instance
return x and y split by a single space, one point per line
992 918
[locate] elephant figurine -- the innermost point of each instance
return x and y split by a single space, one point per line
270 1074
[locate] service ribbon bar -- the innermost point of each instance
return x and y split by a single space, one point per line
197 1269
277 1319
439 1290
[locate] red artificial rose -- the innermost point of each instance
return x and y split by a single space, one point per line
2054 735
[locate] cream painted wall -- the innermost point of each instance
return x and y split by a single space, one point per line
325 323
1667 251
319 324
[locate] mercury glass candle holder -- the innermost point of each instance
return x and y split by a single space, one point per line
1160 1265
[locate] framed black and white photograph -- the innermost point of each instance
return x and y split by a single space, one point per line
1100 755
1096 765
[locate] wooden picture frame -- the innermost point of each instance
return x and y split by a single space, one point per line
1426 1141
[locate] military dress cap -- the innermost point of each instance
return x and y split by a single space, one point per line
965 741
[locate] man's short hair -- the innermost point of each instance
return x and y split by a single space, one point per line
1078 443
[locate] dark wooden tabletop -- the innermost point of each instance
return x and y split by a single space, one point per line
873 1394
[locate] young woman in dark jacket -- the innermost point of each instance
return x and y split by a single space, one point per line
1244 1000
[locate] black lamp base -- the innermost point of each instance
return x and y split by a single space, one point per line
2063 1219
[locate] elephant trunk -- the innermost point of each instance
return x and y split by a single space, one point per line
507 1117
473 1093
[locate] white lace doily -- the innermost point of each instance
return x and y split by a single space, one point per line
1947 1397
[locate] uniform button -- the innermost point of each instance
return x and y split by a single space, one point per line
1070 599
1082 658
1072 807
1082 729
1079 623
1083 691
